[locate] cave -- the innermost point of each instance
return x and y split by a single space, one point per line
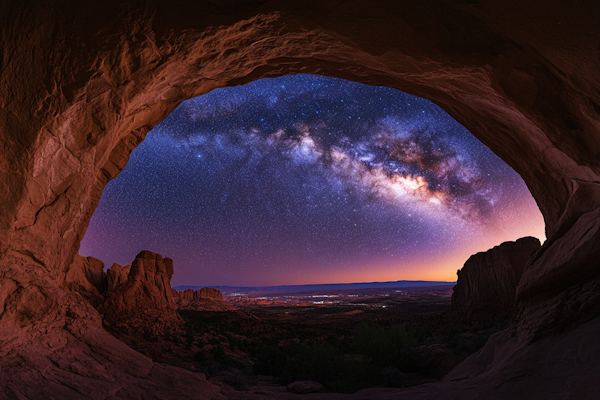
83 84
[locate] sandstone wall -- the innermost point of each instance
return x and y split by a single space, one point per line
205 299
143 302
487 284
86 276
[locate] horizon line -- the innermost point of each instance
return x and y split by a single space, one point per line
316 284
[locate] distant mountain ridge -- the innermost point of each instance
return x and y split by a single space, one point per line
318 287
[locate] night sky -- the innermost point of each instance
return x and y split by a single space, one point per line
306 179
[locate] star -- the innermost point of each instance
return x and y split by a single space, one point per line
304 178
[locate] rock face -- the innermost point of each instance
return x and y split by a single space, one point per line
86 277
137 297
82 83
204 293
116 276
142 302
205 299
487 284
209 293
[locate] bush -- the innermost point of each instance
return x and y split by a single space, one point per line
392 347
355 375
235 378
392 377
271 361
222 359
319 362
384 352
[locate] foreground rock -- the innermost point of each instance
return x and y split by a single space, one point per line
59 350
143 302
205 299
487 284
304 387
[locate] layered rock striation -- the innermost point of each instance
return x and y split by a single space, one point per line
87 277
205 299
143 302
62 351
487 284
135 298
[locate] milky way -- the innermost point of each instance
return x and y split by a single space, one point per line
307 179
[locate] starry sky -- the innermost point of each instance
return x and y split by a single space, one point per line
306 179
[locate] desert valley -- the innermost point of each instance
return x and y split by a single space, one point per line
275 342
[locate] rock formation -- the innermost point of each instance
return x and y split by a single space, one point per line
205 299
143 302
137 297
116 276
209 293
86 276
81 84
304 387
487 284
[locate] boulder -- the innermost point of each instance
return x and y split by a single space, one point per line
487 284
433 359
304 387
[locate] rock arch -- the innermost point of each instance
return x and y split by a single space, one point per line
81 85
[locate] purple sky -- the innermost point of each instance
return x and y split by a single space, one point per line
307 179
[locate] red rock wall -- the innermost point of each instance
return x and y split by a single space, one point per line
487 284
204 293
81 84
115 276
86 276
210 293
205 299
143 302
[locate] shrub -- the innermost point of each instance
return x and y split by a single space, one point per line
271 361
392 377
319 362
235 378
355 375
392 347
201 356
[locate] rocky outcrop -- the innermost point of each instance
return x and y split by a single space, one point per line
487 284
143 302
61 351
116 276
204 293
209 293
205 299
137 297
304 387
82 83
86 276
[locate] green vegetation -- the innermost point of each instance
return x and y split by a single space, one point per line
377 358
344 354
345 349
394 346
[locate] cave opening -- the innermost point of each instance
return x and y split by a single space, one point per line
305 179
272 190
